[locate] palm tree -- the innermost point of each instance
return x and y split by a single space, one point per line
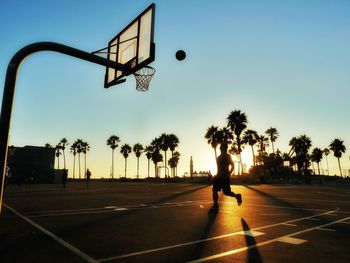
156 158
148 151
176 157
326 153
338 148
112 142
173 143
58 153
250 136
212 136
79 145
86 148
237 122
172 164
224 135
138 148
125 150
73 150
63 144
292 144
164 143
262 142
302 146
273 135
316 156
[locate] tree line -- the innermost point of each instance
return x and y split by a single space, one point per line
237 135
156 152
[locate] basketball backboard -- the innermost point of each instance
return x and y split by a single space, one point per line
133 46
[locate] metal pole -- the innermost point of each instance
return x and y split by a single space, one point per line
9 90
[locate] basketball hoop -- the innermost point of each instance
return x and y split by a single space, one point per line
143 78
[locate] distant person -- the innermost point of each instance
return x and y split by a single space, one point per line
64 178
222 178
88 175
7 176
29 179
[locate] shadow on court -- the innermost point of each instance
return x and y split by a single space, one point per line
253 253
197 252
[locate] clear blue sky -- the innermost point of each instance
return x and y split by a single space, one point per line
285 64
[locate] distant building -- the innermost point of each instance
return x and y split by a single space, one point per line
191 167
31 163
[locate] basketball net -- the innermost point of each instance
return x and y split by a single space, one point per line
143 78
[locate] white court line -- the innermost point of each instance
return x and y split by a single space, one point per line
110 210
286 224
53 236
291 240
250 233
56 212
326 229
207 239
282 238
121 209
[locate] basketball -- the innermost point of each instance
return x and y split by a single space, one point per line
180 55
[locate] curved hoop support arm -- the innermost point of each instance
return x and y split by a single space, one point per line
10 83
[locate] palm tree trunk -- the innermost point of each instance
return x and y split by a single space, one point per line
216 155
112 163
273 148
165 164
125 168
79 166
85 164
155 170
327 165
138 159
74 166
318 167
148 165
253 155
58 162
341 174
64 160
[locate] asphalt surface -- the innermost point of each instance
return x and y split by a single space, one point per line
154 222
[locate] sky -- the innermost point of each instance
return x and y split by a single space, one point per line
286 64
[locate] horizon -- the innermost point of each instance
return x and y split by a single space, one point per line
286 65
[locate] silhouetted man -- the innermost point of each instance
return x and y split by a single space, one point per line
222 179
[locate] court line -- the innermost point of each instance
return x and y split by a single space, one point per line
206 239
109 207
288 207
235 251
53 236
111 210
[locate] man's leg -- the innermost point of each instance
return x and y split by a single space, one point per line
216 189
227 191
215 198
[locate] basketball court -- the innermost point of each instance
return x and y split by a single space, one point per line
150 222
144 222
